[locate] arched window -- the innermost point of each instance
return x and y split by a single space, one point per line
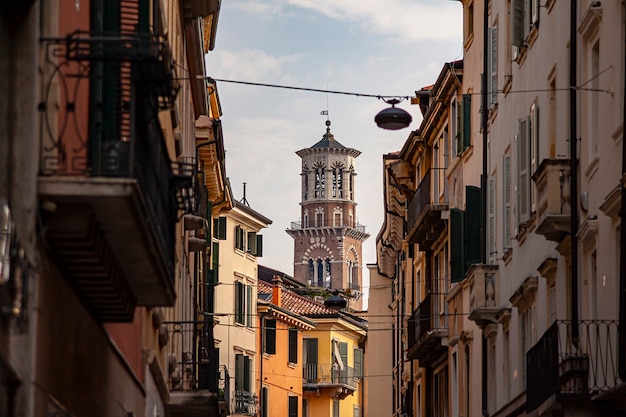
311 272
305 185
320 273
327 278
305 219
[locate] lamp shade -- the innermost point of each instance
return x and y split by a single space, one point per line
393 118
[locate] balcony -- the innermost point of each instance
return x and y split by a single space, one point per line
553 198
318 376
245 403
483 285
197 385
426 218
571 372
428 330
311 227
110 194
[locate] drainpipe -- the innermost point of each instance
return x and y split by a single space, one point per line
573 170
483 186
621 361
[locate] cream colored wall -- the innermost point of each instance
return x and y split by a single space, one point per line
235 265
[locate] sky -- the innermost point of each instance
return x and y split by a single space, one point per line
378 47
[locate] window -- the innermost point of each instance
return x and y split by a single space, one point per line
240 238
356 411
358 362
293 406
219 228
335 408
309 352
249 242
440 393
305 407
465 240
305 185
527 327
243 369
293 345
533 143
269 337
243 304
320 182
469 21
523 176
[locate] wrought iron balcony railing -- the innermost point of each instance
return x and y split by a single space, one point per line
245 403
317 375
559 365
426 328
192 359
425 223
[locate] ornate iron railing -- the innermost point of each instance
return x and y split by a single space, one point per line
245 403
192 358
432 190
558 364
328 374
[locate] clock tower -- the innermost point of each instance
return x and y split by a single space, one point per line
328 238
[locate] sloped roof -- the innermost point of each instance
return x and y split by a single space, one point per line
328 140
298 304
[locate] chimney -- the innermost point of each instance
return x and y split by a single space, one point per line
277 290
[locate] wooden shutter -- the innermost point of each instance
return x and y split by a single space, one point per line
358 362
457 232
259 246
311 350
343 352
293 345
219 228
249 322
215 262
247 369
493 65
459 128
473 241
467 125
491 223
239 372
507 201
265 396
239 302
270 336
238 240
518 22
251 248
523 156
533 144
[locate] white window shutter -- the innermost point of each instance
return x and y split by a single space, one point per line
493 65
492 255
523 172
507 200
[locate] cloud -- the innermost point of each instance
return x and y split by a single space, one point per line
400 21
250 64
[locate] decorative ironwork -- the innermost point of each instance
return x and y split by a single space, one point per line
246 403
14 272
192 357
187 189
557 365
329 374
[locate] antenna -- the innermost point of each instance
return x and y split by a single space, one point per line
244 200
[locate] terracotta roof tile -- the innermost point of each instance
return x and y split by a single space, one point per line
298 304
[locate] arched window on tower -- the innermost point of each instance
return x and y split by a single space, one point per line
320 273
351 186
350 278
305 219
311 272
305 185
319 217
327 278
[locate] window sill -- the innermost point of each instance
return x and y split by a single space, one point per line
292 365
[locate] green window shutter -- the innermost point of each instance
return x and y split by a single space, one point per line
343 352
259 246
265 396
473 241
270 336
247 368
215 262
523 168
518 22
467 110
459 128
491 224
239 372
293 345
311 350
336 408
249 322
238 240
457 242
507 201
358 362
219 228
239 302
